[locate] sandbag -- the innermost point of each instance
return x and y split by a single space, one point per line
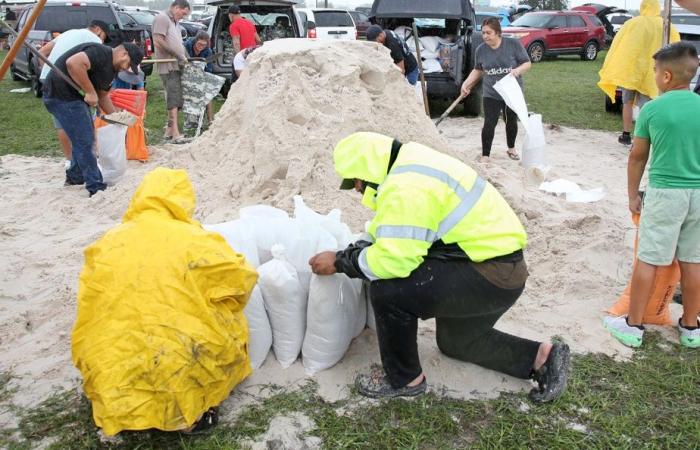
111 152
534 144
259 330
286 306
336 314
371 322
240 236
667 278
160 334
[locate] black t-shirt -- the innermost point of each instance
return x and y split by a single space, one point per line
101 72
400 51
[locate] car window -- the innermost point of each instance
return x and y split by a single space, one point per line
596 21
557 22
333 19
63 18
532 21
142 18
618 20
576 22
363 17
127 20
686 20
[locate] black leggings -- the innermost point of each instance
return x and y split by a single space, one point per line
466 307
492 109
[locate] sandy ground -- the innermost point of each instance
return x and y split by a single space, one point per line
272 140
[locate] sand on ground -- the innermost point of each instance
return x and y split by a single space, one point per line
273 139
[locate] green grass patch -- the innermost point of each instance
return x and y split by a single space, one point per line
650 401
27 127
564 90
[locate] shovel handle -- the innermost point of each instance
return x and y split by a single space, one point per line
450 108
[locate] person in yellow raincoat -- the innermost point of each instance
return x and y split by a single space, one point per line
629 64
160 336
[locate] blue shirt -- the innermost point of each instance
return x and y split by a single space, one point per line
206 53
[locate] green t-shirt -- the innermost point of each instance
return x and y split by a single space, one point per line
672 123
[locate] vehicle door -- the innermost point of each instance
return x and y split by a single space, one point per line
557 36
22 58
578 31
334 25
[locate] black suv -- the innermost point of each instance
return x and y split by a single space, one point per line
453 24
57 18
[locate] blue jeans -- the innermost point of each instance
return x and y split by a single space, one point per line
76 120
412 77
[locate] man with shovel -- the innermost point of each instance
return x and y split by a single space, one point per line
91 67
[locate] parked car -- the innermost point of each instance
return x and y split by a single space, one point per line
57 18
190 29
263 13
617 20
549 33
454 22
481 16
602 12
361 23
333 24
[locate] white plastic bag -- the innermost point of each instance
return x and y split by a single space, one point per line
509 89
285 304
534 144
371 322
336 314
331 222
240 237
259 330
111 151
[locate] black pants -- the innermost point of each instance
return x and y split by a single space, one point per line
492 110
466 306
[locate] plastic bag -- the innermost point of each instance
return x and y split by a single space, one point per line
336 314
534 144
285 304
509 89
259 330
240 236
111 151
371 322
331 222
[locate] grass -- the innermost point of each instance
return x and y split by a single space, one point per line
648 402
564 91
27 128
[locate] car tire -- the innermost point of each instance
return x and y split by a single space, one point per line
590 51
536 52
36 86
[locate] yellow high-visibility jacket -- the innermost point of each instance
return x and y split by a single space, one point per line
427 196
629 63
160 335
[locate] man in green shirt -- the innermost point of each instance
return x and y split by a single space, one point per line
670 220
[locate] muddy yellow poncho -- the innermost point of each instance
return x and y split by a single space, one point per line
160 335
629 63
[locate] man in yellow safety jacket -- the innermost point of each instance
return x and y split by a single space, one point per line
445 244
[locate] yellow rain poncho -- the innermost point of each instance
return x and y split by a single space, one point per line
629 63
160 335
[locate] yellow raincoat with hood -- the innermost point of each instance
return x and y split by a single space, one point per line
160 335
629 63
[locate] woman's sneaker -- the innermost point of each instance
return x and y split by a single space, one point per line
689 337
630 336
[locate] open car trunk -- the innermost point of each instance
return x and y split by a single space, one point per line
602 12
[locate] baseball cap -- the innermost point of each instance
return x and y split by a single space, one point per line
234 9
102 26
136 55
373 31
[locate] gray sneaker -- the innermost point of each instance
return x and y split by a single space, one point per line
376 385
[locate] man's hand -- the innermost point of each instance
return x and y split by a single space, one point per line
323 263
91 99
636 205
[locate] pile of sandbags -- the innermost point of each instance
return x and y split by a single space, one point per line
291 310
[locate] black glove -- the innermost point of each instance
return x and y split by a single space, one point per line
346 261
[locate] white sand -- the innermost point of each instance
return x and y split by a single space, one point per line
273 139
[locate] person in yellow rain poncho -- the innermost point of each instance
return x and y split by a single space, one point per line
160 337
629 64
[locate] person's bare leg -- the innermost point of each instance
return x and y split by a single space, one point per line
690 286
642 284
172 124
66 145
542 355
627 122
418 380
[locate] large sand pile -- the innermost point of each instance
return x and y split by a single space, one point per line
273 139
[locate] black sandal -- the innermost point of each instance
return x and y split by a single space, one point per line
208 420
552 377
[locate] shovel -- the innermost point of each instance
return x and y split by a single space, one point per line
449 109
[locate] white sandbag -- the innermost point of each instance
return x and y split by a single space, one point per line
335 308
371 322
268 224
431 65
331 223
111 152
240 237
534 144
285 305
259 330
509 89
